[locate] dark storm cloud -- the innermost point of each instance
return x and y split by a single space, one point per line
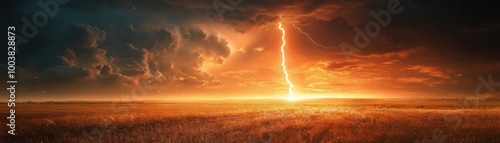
65 74
441 28
252 14
106 70
111 45
208 45
82 48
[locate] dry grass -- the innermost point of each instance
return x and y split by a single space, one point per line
258 121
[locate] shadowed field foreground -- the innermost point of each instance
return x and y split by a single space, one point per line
258 121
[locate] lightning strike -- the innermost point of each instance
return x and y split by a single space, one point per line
291 95
305 33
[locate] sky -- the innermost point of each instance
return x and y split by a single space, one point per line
204 49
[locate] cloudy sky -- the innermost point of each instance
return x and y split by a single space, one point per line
204 49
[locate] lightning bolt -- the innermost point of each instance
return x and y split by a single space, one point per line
308 36
291 95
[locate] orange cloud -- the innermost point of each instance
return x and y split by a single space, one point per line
413 79
432 71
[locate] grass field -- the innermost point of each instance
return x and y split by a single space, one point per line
327 120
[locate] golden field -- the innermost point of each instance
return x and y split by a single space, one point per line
322 120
